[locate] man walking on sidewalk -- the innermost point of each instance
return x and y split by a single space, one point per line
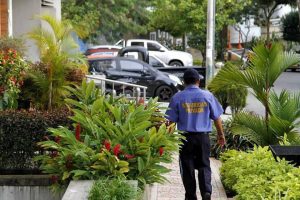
193 109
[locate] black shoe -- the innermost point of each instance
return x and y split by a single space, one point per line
207 196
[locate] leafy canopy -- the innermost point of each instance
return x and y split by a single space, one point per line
113 19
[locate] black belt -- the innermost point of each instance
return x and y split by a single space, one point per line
195 133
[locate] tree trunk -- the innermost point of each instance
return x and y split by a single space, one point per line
223 42
268 30
183 42
50 96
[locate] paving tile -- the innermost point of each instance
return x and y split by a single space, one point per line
174 190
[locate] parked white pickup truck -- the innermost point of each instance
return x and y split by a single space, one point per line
170 57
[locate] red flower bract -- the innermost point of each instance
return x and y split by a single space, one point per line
107 144
77 132
54 154
54 179
128 156
57 139
117 149
161 151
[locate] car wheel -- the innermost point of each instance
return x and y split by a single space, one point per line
175 63
164 93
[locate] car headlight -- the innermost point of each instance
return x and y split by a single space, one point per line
175 79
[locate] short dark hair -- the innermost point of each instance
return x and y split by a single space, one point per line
189 81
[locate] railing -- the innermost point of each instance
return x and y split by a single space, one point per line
103 82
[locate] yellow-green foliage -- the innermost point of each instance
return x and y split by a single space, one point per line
256 175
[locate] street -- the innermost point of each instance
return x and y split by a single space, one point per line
288 80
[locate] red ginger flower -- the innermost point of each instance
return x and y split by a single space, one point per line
161 151
57 139
107 144
141 101
117 149
77 132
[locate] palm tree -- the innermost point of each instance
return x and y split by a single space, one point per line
58 54
266 65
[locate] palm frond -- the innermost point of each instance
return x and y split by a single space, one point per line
286 106
250 126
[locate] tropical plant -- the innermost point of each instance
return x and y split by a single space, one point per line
233 141
12 70
266 65
117 189
112 137
257 175
58 54
233 95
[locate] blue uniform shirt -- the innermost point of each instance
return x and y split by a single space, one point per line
193 109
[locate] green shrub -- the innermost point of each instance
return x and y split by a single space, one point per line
197 62
19 133
256 175
114 189
17 44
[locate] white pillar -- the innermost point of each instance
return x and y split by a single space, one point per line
210 40
10 18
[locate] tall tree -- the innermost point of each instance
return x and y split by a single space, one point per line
189 16
113 19
265 10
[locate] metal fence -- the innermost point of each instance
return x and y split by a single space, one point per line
116 88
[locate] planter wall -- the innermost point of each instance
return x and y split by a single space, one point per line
79 190
290 153
26 187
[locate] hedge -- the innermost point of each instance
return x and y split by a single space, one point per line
19 133
257 175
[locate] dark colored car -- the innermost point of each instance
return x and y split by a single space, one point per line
159 84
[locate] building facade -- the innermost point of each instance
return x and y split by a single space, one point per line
18 17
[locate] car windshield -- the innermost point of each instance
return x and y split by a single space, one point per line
166 47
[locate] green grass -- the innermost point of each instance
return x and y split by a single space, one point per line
113 189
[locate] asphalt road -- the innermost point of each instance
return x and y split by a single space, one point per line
288 80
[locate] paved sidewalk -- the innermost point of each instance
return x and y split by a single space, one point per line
174 189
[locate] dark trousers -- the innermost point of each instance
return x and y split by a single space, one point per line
194 154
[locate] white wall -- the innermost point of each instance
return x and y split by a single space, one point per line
255 31
284 9
23 22
23 19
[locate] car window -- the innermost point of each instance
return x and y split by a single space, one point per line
102 65
127 65
137 44
153 47
154 62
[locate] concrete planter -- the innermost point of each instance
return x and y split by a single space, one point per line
26 187
290 153
79 190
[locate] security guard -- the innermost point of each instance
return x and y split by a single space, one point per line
193 110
